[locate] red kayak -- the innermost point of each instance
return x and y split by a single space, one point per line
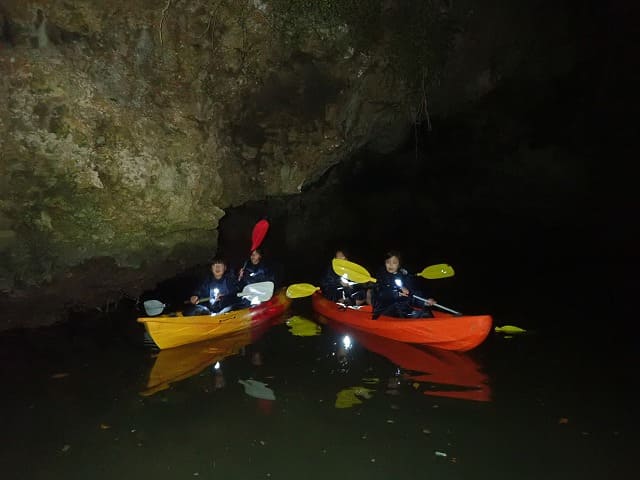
444 331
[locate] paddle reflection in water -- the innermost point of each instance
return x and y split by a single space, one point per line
445 373
179 363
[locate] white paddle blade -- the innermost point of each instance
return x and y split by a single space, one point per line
153 307
258 292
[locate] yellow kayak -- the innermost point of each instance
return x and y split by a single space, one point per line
169 332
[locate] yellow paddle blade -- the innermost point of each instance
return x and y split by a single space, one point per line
510 329
299 290
441 270
353 271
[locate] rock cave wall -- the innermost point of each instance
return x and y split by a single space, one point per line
129 128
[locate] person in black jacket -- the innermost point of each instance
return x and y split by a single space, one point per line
392 294
338 289
219 288
255 270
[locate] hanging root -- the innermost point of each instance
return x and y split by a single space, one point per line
422 111
424 107
164 14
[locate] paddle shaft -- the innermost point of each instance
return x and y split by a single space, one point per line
200 300
442 307
262 290
447 309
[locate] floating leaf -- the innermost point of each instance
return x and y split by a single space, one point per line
348 397
510 329
371 380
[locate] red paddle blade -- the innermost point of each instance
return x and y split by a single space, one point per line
258 234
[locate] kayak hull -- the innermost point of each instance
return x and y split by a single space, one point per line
169 332
444 331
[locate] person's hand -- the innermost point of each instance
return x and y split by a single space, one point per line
431 301
404 292
194 299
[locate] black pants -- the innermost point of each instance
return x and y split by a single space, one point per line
208 308
191 310
402 310
395 310
422 312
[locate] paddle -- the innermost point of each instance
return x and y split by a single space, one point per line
261 291
440 270
260 230
153 307
442 307
300 290
351 271
359 274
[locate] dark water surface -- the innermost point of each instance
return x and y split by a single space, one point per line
550 404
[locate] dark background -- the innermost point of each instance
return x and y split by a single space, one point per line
528 193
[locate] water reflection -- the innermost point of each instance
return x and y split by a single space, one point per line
433 371
176 364
92 423
303 327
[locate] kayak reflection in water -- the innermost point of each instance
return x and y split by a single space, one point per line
256 359
219 381
394 290
431 371
342 353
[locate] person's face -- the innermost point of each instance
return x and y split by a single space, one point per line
255 257
218 269
392 264
340 255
